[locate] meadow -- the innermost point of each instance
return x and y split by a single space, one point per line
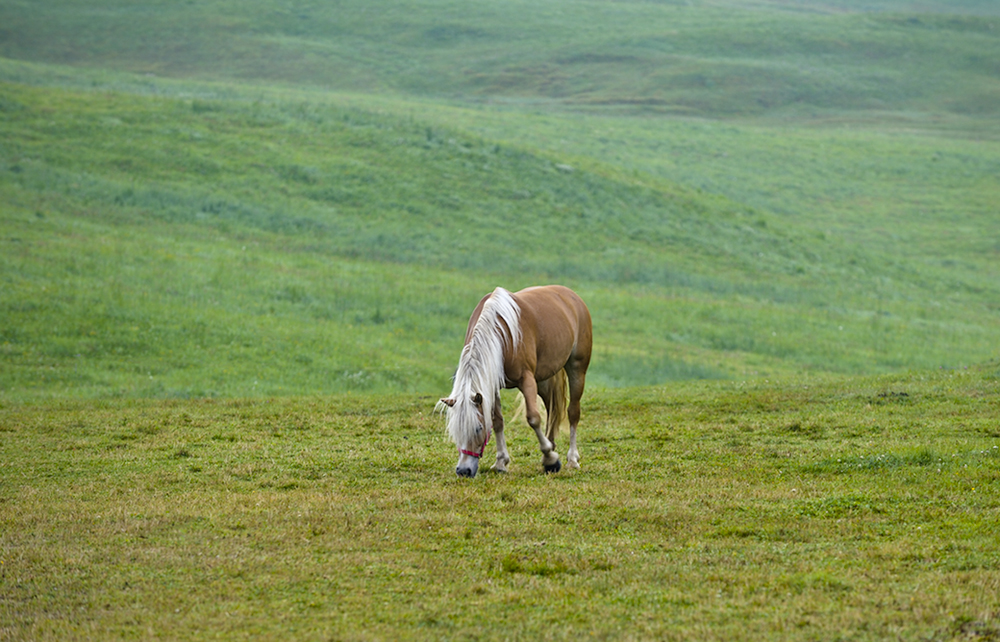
315 237
240 241
315 247
861 510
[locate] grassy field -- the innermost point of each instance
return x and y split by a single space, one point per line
737 188
240 241
856 509
728 58
313 245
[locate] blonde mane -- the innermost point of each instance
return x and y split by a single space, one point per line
480 368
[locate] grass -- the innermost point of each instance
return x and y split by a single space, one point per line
239 243
852 508
699 58
290 226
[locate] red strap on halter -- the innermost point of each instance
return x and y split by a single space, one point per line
481 450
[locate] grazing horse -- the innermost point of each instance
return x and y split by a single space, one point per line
537 340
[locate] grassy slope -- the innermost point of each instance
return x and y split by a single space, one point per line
116 231
706 58
706 248
863 509
321 193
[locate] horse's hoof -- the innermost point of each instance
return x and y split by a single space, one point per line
554 468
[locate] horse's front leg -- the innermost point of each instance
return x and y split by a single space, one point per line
503 457
529 388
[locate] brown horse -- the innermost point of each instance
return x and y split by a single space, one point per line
537 340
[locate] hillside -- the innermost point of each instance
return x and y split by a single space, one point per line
698 57
188 210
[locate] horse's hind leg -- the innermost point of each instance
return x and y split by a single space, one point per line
531 389
577 379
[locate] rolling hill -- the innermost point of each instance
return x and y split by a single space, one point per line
243 199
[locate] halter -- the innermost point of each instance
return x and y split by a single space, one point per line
479 454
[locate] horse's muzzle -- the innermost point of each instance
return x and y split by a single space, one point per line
467 465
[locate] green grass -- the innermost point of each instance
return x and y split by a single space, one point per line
697 58
179 238
310 246
239 244
809 509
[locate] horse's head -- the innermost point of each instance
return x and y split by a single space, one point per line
469 430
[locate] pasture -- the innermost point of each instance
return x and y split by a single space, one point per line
861 509
312 246
240 242
727 206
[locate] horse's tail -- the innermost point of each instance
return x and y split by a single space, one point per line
556 405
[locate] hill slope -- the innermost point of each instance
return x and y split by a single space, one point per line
182 246
699 57
181 237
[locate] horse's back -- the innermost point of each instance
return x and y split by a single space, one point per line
556 304
560 324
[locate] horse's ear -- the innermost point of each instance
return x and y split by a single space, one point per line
448 402
478 399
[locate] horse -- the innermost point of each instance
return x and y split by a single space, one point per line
537 340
